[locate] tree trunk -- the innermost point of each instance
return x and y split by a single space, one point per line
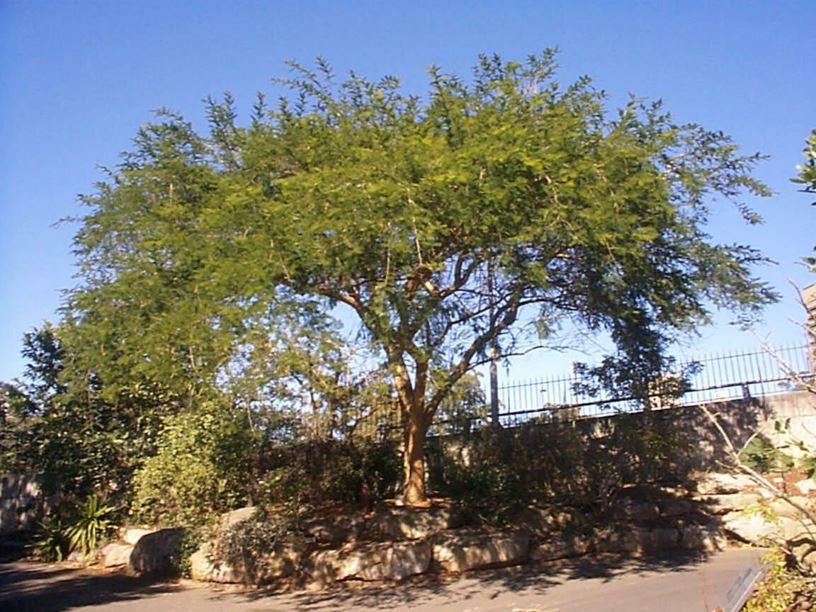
414 460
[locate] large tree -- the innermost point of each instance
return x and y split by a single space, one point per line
447 224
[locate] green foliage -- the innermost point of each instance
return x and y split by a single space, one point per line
87 527
761 454
579 464
778 591
51 543
465 405
191 541
201 468
321 471
251 542
92 525
78 443
490 492
204 257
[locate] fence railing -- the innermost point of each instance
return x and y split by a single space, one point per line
711 378
719 377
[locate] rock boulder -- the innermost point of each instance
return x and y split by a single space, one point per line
114 555
404 523
154 552
560 546
716 483
752 527
376 561
206 569
460 551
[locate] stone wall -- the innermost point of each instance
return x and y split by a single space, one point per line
795 411
694 443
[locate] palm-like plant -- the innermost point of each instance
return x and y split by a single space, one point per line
91 526
51 543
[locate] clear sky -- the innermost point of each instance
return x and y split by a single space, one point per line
78 77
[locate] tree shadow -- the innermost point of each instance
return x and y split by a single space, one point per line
26 586
486 584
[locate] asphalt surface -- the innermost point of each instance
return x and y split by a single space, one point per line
603 584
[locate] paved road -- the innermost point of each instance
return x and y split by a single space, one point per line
609 584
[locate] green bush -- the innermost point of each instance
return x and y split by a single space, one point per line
781 587
761 454
489 492
202 467
191 540
250 543
490 471
50 542
320 471
91 526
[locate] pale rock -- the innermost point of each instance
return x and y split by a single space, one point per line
546 520
750 527
703 538
622 540
335 530
659 539
730 502
716 483
462 551
114 555
806 486
131 535
560 546
675 507
284 560
793 528
76 556
205 569
372 562
408 523
234 517
780 507
631 510
638 540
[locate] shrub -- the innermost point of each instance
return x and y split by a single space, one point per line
321 471
202 467
583 464
761 454
91 526
250 543
191 540
488 492
50 543
780 589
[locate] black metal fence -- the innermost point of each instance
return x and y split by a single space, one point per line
718 377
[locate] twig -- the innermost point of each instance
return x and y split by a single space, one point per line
758 478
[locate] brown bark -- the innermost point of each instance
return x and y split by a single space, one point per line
414 459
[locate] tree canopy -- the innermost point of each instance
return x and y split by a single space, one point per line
487 209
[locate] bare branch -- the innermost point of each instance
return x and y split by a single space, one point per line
806 517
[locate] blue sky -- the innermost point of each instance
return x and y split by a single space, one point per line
78 77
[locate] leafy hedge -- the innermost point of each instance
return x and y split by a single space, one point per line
202 467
